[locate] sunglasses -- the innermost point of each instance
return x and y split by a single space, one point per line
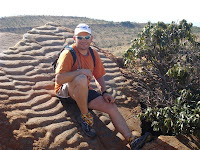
82 37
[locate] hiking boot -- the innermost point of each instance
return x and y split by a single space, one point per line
139 142
87 128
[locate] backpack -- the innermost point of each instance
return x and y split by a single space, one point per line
73 53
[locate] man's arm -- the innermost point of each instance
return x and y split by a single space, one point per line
102 84
107 97
66 77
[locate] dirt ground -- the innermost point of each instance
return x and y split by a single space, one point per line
33 120
8 40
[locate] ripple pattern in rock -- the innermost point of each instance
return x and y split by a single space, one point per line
30 109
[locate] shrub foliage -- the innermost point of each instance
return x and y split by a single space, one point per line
169 57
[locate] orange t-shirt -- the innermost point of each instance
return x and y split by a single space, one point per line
65 63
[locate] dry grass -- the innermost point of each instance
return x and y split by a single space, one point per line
118 50
108 35
112 36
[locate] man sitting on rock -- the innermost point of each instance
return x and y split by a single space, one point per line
75 79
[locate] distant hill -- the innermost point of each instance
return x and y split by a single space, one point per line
107 34
112 36
20 23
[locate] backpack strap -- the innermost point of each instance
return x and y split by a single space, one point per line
73 53
92 54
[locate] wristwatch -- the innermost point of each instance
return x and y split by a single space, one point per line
104 92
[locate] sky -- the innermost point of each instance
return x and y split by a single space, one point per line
140 11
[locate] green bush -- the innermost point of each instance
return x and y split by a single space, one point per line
169 57
182 118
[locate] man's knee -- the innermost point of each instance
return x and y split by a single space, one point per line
111 108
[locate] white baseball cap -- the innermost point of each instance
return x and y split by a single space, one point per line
82 27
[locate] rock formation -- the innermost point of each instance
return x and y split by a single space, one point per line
32 117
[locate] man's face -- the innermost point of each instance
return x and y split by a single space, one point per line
83 40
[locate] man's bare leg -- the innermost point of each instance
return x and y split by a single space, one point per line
120 124
117 119
78 90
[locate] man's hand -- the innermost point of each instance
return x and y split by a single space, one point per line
86 72
108 98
